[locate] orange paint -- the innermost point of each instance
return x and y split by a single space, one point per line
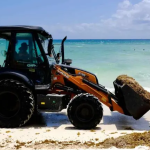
77 80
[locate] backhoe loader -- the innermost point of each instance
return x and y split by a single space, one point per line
33 77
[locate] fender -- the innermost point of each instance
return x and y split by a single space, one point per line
16 75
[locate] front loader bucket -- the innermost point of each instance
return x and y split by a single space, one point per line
133 103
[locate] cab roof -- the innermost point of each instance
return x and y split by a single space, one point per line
25 28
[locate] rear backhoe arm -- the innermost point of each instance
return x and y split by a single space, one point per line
102 94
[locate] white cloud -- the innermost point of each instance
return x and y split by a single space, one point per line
125 4
129 21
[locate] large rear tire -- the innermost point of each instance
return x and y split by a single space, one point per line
85 111
16 103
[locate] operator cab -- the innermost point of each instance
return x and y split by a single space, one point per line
28 49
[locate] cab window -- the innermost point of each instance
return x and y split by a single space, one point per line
27 49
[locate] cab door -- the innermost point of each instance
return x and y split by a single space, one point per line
28 58
4 47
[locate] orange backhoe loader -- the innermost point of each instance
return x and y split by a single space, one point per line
33 77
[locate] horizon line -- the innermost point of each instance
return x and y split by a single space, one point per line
100 39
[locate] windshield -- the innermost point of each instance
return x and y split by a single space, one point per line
44 42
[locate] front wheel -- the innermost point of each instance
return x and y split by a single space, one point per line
85 111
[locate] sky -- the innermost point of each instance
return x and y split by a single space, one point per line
81 19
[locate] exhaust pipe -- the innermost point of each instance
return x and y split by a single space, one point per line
62 49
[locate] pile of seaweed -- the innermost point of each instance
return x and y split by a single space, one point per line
131 82
126 141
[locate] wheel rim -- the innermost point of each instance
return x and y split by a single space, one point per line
84 112
9 104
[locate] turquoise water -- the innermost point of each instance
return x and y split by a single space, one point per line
109 58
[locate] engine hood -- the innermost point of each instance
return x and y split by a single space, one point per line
73 70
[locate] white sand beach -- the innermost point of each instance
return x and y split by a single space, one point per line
54 131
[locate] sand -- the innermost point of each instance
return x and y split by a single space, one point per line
58 139
54 131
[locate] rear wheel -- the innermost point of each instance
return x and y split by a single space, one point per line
85 111
16 103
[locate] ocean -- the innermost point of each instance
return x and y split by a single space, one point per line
109 58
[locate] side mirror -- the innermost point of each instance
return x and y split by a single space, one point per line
58 57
